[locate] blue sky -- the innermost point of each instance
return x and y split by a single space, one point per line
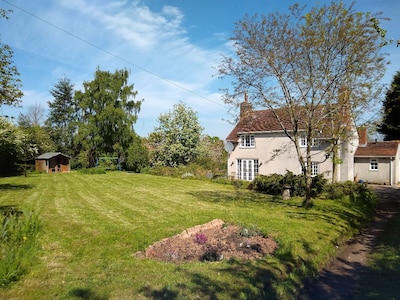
171 48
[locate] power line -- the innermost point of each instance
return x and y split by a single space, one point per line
110 53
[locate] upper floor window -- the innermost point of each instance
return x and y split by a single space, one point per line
247 141
303 141
373 164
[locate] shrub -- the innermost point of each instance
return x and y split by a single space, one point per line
273 184
90 171
18 244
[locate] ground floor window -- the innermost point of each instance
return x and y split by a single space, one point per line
373 164
314 168
247 169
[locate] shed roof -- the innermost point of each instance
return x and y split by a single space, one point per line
50 155
378 149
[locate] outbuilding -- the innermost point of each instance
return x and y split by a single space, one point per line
378 162
53 162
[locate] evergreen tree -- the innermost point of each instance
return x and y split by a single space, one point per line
390 126
62 116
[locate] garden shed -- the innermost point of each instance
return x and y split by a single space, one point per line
53 162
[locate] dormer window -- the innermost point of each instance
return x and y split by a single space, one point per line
247 141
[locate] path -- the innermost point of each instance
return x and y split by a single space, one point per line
339 278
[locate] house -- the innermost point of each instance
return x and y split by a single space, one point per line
377 162
258 145
52 162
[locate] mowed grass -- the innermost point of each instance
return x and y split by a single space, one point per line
94 224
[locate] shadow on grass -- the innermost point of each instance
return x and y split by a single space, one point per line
235 279
380 279
86 294
239 197
7 186
10 210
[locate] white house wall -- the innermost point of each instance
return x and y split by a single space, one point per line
277 154
380 176
346 167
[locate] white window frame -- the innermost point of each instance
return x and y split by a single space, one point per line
303 141
247 141
314 169
373 164
247 169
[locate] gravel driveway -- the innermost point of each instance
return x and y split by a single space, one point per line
339 279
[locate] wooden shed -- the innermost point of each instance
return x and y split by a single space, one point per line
53 162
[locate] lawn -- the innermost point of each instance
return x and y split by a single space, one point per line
94 224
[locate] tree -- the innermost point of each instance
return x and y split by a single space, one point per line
35 135
62 116
176 140
390 125
106 115
10 93
137 156
302 63
212 154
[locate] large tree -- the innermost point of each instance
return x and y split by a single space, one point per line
10 84
62 115
176 140
390 126
303 62
107 112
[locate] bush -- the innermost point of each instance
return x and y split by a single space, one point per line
18 244
273 184
91 171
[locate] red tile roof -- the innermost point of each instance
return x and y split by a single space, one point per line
378 149
259 121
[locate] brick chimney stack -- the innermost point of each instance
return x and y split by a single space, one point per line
245 107
363 136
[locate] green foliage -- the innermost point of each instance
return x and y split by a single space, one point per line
10 93
106 112
212 155
137 156
274 184
18 244
62 116
176 140
357 193
92 171
390 126
15 147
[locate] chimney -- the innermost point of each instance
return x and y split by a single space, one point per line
362 136
245 107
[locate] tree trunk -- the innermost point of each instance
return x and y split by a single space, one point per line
334 161
307 172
